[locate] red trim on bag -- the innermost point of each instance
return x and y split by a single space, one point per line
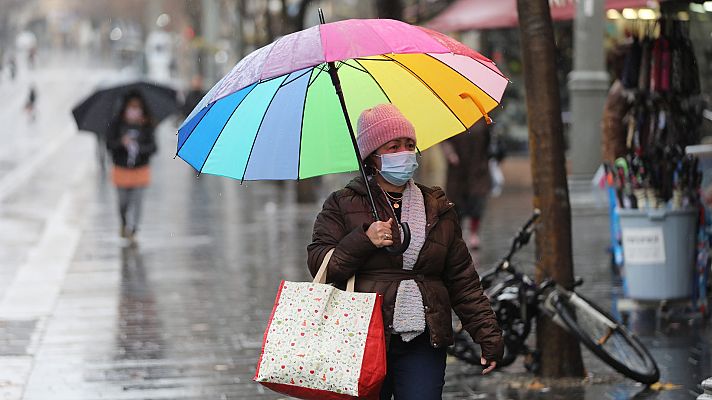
373 367
269 323
307 393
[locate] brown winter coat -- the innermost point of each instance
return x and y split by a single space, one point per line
444 271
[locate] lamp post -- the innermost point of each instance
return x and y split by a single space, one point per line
588 86
209 33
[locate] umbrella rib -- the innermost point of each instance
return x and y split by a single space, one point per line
468 79
372 59
292 80
377 34
465 55
356 68
321 69
274 44
257 133
375 80
301 128
429 88
196 125
481 63
269 79
222 130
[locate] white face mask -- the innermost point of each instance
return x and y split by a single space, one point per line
398 168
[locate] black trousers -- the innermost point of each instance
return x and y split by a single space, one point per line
416 370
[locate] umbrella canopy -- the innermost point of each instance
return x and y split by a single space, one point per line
277 116
96 111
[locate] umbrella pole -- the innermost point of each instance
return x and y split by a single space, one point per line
405 240
337 85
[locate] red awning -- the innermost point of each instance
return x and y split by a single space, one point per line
465 15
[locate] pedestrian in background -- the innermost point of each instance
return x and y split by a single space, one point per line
130 139
194 95
31 57
419 288
2 61
12 66
30 103
469 181
613 122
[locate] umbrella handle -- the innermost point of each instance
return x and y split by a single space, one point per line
405 242
466 95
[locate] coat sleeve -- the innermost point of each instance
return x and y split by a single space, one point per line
147 144
467 297
351 247
113 136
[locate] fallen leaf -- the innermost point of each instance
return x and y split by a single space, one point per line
659 386
536 385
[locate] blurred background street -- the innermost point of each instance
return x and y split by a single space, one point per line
181 314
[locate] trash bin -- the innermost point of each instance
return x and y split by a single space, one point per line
658 252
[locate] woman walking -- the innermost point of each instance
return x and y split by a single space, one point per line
468 176
434 275
131 142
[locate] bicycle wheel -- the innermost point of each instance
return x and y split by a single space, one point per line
607 339
465 349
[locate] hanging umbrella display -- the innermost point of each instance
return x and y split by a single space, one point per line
94 113
287 110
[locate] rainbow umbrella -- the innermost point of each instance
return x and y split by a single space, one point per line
287 110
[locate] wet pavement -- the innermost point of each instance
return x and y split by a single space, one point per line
181 316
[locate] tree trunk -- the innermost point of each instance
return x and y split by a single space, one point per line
560 352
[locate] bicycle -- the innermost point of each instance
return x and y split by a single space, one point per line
517 300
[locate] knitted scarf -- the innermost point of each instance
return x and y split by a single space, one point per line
409 313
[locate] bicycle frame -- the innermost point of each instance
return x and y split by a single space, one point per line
549 305
521 281
516 291
517 299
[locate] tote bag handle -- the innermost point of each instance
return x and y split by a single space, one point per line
320 276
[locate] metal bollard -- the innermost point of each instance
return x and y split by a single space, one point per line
707 386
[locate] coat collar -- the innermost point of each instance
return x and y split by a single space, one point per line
436 203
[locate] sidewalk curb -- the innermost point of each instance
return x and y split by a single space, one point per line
36 286
15 178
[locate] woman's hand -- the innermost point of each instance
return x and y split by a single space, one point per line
489 365
380 233
126 140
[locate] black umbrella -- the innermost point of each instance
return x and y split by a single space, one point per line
96 111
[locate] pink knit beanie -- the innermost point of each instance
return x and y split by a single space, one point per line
379 125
